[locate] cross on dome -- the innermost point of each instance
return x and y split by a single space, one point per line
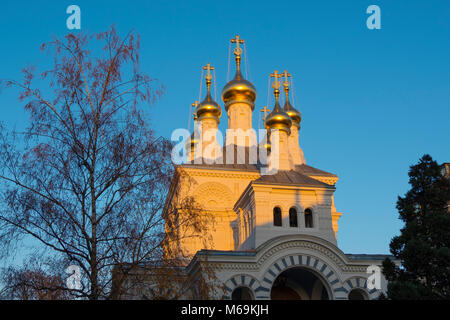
276 84
208 69
238 50
238 90
265 110
286 75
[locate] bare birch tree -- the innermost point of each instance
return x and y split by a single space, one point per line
87 180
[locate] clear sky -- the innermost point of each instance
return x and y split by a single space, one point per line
372 101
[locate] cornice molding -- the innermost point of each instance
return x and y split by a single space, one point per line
222 174
328 180
255 266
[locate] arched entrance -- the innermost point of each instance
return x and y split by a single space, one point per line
357 294
242 293
298 283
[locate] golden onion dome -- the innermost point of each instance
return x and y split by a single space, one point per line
208 109
278 119
293 113
239 90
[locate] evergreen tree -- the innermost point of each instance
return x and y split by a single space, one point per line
423 246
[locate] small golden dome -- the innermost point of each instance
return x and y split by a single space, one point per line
208 109
295 115
239 90
278 119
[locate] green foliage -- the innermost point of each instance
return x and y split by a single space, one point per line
423 246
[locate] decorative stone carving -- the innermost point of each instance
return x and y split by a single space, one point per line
213 194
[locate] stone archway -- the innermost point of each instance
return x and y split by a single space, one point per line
298 283
321 270
241 281
242 293
360 284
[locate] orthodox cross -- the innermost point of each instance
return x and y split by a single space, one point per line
238 50
208 69
208 75
286 75
276 84
265 110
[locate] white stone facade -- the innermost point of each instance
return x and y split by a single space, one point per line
257 270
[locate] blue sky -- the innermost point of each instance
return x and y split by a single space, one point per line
372 101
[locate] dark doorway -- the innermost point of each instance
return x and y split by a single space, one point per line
357 294
298 284
242 293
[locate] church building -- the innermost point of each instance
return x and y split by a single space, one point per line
275 228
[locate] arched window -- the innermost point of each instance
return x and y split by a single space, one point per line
293 217
242 293
357 294
277 216
308 218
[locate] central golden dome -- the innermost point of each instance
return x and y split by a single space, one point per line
239 90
